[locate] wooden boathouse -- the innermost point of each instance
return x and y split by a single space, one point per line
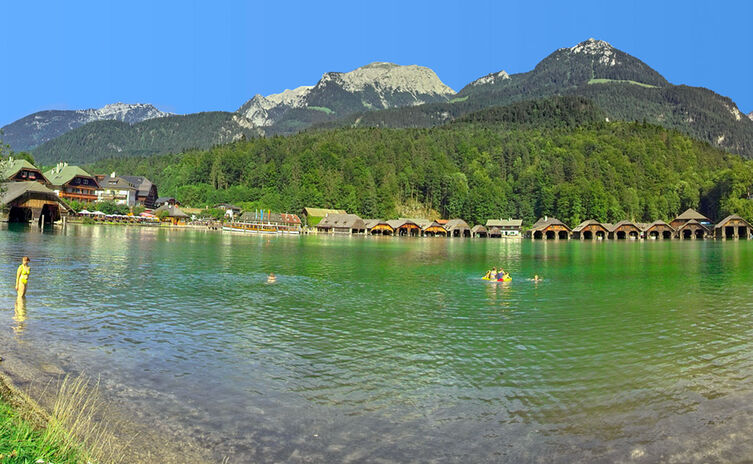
625 230
31 202
549 229
378 227
733 227
457 228
690 215
405 228
657 230
590 230
479 231
692 230
341 224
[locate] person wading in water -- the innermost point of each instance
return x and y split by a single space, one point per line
22 277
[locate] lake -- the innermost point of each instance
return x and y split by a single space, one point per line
393 349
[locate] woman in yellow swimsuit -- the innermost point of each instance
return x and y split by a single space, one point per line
22 277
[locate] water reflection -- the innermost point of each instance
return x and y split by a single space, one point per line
19 316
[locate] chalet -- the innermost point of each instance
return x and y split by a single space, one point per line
341 224
378 227
116 189
691 230
590 230
658 230
20 170
734 227
625 229
174 214
312 216
457 228
550 229
31 202
231 211
405 227
688 215
72 183
478 231
146 191
507 227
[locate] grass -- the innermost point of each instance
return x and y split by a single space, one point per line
606 81
71 433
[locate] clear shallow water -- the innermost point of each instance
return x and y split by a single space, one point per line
394 349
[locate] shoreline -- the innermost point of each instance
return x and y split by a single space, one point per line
30 383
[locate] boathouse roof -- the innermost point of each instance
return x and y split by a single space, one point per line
731 217
341 221
623 224
546 222
590 222
478 228
172 211
456 224
656 224
16 190
690 213
504 223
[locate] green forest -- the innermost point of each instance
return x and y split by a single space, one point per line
562 160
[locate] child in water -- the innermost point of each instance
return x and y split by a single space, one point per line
22 277
271 278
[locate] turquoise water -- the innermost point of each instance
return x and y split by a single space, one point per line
393 350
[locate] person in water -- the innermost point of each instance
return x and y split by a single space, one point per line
22 277
536 278
271 278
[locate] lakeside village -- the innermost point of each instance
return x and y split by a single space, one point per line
32 196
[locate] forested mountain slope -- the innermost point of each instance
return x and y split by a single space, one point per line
555 157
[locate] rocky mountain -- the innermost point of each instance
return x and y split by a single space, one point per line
376 86
623 86
750 115
37 128
170 134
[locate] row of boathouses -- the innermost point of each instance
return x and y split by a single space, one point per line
690 225
339 223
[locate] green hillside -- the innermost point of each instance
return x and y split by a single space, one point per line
556 158
102 139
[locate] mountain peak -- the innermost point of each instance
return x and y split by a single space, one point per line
492 78
390 76
606 52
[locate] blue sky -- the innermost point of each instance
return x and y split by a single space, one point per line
189 56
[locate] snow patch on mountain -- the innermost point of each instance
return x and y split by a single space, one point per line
600 48
750 115
492 78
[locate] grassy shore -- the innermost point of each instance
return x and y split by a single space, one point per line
68 433
20 442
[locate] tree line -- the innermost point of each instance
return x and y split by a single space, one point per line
473 169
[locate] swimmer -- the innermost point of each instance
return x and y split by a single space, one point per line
536 278
22 277
271 278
